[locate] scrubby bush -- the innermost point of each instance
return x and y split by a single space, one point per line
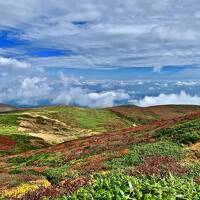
187 132
55 175
119 186
194 171
37 160
142 151
159 166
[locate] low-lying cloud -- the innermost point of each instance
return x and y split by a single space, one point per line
82 97
60 88
165 99
31 91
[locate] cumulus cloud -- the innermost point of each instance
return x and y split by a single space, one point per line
81 97
39 88
13 63
28 91
33 90
137 33
73 93
166 99
64 90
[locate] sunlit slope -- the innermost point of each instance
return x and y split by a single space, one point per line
143 115
40 127
163 153
28 129
100 149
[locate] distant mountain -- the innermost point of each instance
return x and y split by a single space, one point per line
5 107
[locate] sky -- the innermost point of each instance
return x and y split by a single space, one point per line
99 53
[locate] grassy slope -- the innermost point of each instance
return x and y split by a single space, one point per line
9 129
145 115
149 149
100 120
94 119
97 120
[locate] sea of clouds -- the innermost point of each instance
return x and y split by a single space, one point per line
23 90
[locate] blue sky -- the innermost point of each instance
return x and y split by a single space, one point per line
51 52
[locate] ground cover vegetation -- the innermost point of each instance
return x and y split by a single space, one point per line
151 155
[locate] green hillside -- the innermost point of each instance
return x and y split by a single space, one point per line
123 152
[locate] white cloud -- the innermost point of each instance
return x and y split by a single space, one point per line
140 82
33 90
157 68
59 88
13 63
187 83
165 99
64 90
106 34
27 92
178 32
116 33
69 80
82 97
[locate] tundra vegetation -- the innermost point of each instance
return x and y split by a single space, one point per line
124 152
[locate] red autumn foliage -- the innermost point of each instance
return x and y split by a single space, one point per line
50 192
162 123
35 168
70 186
65 188
159 166
6 143
106 142
197 180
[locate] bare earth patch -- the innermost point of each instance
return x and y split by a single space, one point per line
192 153
51 130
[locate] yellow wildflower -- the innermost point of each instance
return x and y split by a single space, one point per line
103 172
24 188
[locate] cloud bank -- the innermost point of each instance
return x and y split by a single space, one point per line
78 96
166 99
32 91
67 90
